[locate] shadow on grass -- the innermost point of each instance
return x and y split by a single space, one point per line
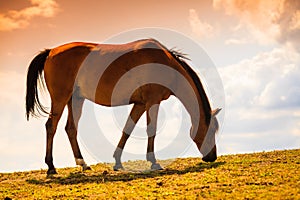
111 176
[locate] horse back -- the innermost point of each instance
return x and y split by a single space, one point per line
95 71
114 75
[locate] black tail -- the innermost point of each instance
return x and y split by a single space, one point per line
34 74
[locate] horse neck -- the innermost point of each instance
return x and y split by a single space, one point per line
198 119
190 97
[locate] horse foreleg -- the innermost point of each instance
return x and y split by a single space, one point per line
152 113
135 115
51 125
74 112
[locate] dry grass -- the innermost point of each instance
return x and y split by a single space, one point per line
267 175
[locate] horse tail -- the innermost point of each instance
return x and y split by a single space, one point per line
34 74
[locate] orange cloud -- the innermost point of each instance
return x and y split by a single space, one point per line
266 20
16 19
203 29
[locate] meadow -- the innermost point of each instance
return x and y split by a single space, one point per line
265 175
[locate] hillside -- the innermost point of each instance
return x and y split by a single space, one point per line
271 175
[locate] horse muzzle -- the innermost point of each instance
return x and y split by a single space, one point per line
211 156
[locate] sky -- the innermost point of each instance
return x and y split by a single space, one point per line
254 46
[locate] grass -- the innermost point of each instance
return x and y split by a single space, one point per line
266 175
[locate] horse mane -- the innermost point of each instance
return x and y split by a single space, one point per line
181 57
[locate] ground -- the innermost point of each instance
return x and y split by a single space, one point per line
266 175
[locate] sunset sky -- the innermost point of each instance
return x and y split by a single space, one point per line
253 44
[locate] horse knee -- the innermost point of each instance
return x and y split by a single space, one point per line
71 130
151 131
48 124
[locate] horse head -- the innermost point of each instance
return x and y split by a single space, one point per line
205 138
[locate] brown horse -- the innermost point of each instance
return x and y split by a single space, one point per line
142 73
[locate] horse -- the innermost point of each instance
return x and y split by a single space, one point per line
141 73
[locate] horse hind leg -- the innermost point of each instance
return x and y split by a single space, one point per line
135 114
152 114
51 125
74 112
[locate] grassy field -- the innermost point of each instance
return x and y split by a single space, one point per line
267 175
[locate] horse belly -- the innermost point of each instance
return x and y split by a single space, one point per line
123 90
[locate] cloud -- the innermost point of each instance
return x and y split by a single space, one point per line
267 20
203 29
269 80
17 19
263 101
236 41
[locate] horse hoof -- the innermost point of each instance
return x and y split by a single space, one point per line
51 172
118 167
85 168
156 166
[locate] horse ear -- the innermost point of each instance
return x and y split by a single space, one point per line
215 112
